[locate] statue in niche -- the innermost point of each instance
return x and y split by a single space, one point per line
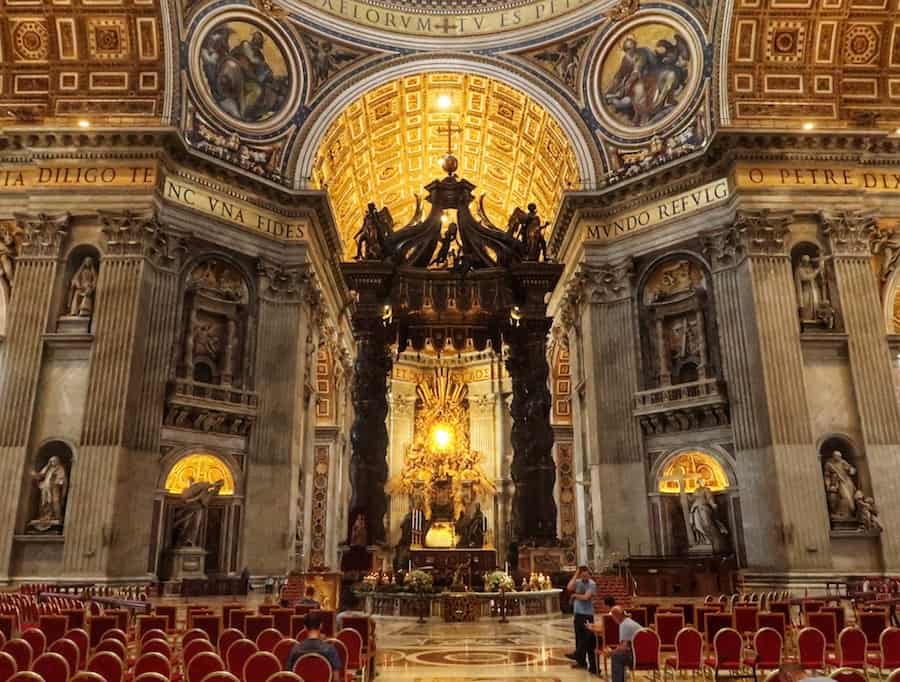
82 289
7 254
868 513
372 236
219 280
887 243
840 488
205 340
705 527
196 499
815 308
444 254
470 529
358 534
53 484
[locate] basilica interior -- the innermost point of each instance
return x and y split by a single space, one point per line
417 306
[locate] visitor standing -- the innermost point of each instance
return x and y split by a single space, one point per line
583 589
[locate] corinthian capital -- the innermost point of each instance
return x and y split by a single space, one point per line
609 282
762 232
724 248
42 234
280 282
129 233
848 233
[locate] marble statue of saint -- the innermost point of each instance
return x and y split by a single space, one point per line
840 488
868 513
358 536
809 278
189 517
705 526
7 256
53 484
82 289
887 242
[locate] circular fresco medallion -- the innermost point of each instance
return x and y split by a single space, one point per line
647 75
245 72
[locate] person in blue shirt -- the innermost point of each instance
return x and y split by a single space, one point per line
313 644
583 589
622 656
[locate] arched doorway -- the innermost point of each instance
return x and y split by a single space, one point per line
182 519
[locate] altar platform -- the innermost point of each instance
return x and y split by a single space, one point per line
463 606
445 561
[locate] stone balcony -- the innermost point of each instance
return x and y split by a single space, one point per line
682 407
211 407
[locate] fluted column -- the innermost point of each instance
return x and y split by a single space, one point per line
778 471
849 237
20 361
96 517
401 424
277 449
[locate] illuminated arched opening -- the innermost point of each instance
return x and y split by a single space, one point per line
197 467
689 470
386 146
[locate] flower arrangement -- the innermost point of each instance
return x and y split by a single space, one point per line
499 581
419 581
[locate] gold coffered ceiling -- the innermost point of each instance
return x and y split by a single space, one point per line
386 146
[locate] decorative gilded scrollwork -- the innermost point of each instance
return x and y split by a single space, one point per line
199 467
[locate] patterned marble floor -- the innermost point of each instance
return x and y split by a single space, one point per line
526 651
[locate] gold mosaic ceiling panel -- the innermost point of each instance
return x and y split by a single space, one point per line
387 145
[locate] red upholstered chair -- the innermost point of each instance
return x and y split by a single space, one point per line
824 623
122 616
8 666
745 619
688 609
260 667
76 618
169 612
302 609
36 639
237 655
108 665
849 675
26 676
220 676
113 646
21 651
253 625
7 625
117 634
69 651
888 655
808 606
52 667
194 634
152 663
329 621
784 608
840 617
153 633
267 639
226 612
194 647
82 641
894 676
341 651
688 652
771 620
266 609
237 619
85 676
851 649
728 648
609 641
639 615
285 676
227 638
159 646
53 626
210 623
668 625
769 647
301 635
283 649
281 621
716 622
297 624
151 677
353 641
644 648
146 624
2 639
811 649
98 626
202 665
873 624
313 668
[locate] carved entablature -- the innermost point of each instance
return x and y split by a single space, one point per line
848 233
42 234
280 282
763 232
609 282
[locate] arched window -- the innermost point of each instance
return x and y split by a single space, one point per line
199 467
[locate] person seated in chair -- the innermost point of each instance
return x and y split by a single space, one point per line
313 644
622 655
309 598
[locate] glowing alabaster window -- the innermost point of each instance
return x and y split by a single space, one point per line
197 468
689 470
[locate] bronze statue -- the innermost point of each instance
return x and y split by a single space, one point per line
376 227
446 242
189 517
527 229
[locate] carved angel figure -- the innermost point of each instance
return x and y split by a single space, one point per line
526 227
376 227
82 289
53 485
7 255
868 513
887 242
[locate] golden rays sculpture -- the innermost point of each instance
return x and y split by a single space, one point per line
440 454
